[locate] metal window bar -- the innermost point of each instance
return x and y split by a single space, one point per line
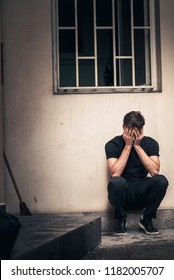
57 73
114 46
95 44
76 47
153 45
133 51
119 29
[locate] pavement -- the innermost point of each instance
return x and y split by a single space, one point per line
136 245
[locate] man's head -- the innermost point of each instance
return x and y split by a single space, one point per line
133 119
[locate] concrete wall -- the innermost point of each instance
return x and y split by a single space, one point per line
55 144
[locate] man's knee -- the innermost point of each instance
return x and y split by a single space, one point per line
160 181
117 183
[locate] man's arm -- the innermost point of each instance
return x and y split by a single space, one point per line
116 166
152 164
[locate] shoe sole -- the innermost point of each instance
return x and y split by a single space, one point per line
120 234
148 232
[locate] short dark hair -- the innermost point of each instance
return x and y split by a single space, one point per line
134 119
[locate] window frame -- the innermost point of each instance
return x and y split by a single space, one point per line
155 48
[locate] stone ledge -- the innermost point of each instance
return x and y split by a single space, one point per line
56 237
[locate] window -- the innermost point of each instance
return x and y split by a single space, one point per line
106 46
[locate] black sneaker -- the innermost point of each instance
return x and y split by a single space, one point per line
148 227
121 227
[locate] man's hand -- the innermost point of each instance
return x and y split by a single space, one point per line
138 136
129 136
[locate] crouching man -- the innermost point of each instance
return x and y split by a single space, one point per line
130 158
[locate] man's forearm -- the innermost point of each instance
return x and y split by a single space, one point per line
151 166
120 164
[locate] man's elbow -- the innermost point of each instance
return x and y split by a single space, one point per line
115 174
154 172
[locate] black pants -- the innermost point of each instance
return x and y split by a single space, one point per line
146 194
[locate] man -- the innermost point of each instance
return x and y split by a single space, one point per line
130 158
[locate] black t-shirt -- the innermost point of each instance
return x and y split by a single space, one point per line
134 169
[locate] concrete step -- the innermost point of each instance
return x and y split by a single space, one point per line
54 236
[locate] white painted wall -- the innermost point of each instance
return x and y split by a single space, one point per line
55 144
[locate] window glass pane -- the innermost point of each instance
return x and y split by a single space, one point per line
86 72
104 12
124 72
142 57
67 58
66 13
141 12
105 57
123 27
85 28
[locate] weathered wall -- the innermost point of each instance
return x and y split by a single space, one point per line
55 144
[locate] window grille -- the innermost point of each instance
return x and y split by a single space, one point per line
106 46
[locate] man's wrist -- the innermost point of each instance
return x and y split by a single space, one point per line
137 146
129 146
